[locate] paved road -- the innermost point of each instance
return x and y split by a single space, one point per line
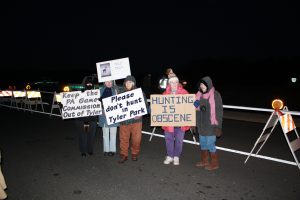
41 161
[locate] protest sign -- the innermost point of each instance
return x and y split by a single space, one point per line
124 106
80 104
173 110
113 70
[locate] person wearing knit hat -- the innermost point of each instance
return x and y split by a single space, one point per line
174 135
209 116
169 72
131 128
173 77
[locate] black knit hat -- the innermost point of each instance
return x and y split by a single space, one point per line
130 78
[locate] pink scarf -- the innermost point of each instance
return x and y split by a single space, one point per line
211 99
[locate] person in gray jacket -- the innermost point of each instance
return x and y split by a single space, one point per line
209 118
109 131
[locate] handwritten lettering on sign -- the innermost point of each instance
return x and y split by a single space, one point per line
113 69
173 110
80 104
124 106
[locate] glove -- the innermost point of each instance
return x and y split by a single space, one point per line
193 129
197 103
218 131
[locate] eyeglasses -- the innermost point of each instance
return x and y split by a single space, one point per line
173 82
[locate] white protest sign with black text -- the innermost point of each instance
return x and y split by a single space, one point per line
113 69
124 106
173 110
80 104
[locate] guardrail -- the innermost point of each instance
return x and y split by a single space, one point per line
297 113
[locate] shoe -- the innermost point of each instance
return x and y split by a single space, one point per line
83 154
90 153
176 160
123 159
134 158
168 160
105 153
111 153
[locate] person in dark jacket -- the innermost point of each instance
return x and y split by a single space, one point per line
209 118
87 127
131 128
109 131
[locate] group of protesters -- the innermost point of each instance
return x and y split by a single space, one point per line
209 116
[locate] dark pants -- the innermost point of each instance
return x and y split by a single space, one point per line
86 136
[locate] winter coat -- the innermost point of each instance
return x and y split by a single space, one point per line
203 112
102 118
88 119
180 90
122 90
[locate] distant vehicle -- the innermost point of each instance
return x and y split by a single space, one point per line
44 85
79 86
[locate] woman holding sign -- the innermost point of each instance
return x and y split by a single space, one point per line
109 131
174 135
209 117
131 128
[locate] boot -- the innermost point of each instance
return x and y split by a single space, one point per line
204 159
214 164
134 157
123 159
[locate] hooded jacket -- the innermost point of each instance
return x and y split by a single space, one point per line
204 113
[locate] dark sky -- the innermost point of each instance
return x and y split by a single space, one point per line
65 40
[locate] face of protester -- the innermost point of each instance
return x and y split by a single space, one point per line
203 87
108 84
89 85
129 85
174 85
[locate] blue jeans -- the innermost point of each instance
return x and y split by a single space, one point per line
208 143
109 138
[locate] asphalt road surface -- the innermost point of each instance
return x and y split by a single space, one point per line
41 161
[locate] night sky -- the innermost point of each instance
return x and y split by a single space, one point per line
63 41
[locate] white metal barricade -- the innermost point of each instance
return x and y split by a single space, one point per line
56 103
5 96
33 98
18 98
287 125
